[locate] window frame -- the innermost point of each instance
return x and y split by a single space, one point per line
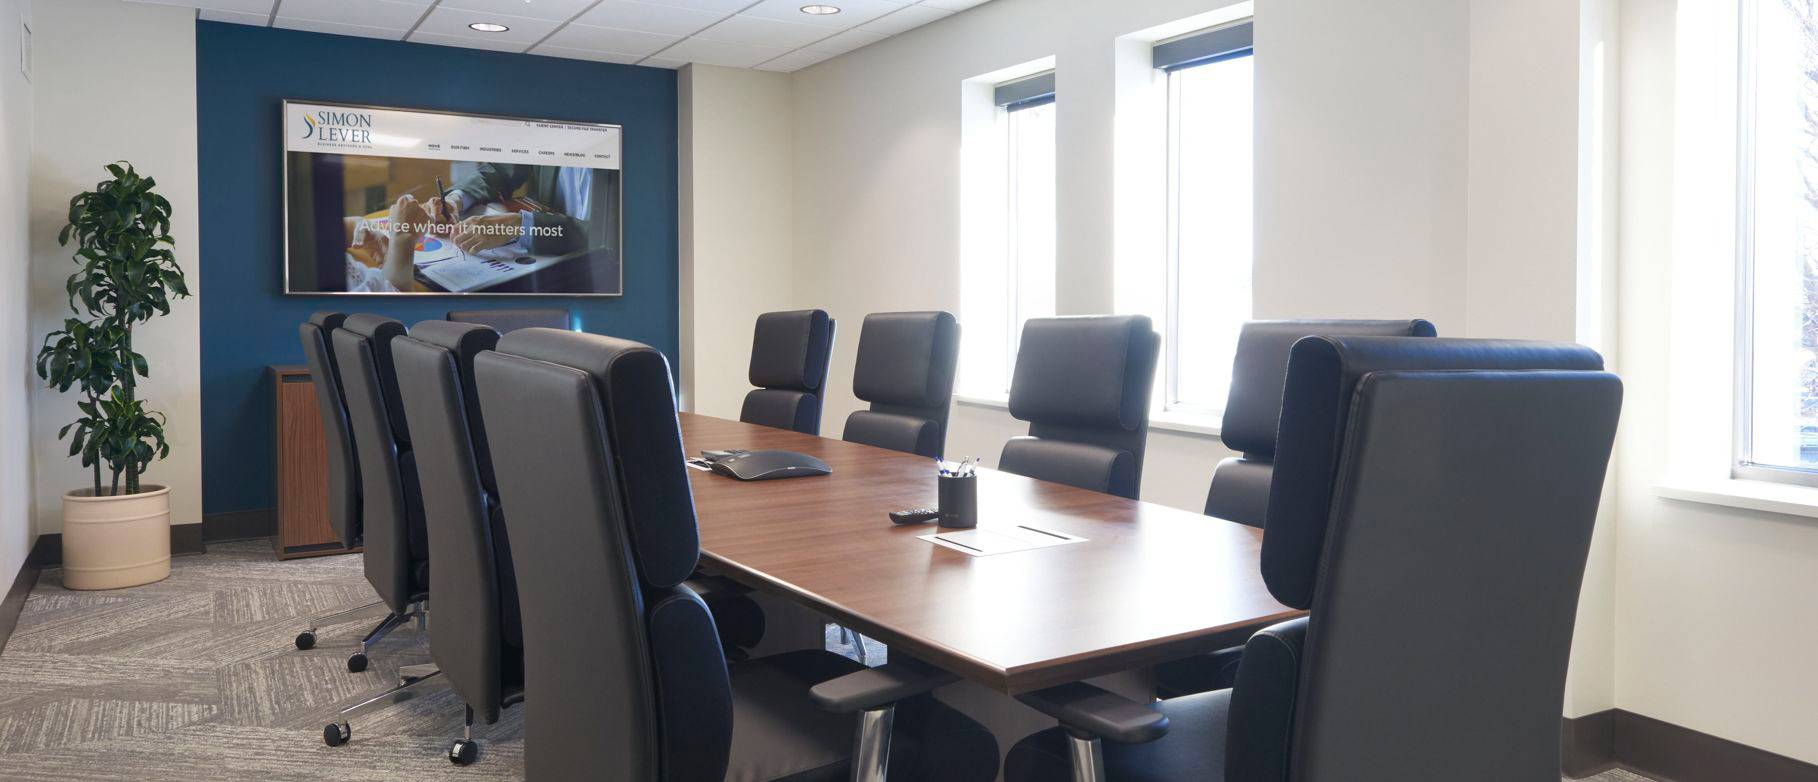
1742 463
1171 294
1013 235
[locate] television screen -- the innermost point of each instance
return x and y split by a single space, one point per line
396 201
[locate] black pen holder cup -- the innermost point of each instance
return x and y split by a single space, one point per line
958 496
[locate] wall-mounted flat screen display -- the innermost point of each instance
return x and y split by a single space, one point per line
396 201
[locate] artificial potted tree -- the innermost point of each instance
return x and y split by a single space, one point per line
116 532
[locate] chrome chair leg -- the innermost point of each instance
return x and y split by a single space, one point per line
307 638
1088 757
341 731
871 748
357 661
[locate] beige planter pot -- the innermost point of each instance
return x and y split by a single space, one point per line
115 542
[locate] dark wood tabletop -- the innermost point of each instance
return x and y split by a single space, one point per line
1152 583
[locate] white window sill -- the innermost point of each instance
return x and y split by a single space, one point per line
1764 496
1181 423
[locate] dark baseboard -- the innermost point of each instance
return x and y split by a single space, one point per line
1669 753
14 602
238 525
48 551
186 539
1587 745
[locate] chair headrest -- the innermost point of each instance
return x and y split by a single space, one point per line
906 358
509 320
378 331
328 321
632 382
789 350
1260 367
1087 370
1323 373
464 341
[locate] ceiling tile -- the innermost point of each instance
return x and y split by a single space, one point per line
721 7
662 62
465 42
238 6
731 55
648 17
610 39
794 61
454 21
852 12
336 28
585 54
553 10
758 31
846 41
364 13
909 18
236 17
953 5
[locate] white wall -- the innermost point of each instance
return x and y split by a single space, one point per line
116 81
1714 610
737 225
16 340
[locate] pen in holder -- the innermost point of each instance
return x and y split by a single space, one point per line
958 496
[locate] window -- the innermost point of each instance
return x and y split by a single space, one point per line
1211 103
1018 282
1777 243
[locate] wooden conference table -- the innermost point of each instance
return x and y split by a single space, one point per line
1150 584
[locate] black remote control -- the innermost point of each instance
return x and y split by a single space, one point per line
914 515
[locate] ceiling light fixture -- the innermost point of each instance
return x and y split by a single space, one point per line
488 27
820 10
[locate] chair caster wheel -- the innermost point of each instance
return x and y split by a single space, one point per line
356 662
336 733
306 639
464 752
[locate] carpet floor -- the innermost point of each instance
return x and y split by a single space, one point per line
196 678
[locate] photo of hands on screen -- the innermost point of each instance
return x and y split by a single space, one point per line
382 201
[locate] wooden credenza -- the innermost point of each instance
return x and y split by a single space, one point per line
299 468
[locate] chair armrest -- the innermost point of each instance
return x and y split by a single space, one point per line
874 688
712 588
1083 708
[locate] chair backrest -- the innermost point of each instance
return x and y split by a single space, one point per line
625 677
789 356
506 321
1083 385
1240 486
331 404
1445 574
391 503
905 370
476 634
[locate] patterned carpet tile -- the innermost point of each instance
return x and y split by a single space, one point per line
226 752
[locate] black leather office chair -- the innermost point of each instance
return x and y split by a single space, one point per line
905 370
625 678
1083 385
1240 485
506 321
1442 569
343 464
477 640
789 356
397 548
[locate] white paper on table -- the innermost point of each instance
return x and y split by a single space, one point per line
986 541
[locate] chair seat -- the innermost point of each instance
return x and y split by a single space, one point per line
1193 749
777 732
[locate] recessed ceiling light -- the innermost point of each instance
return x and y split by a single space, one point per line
820 10
488 27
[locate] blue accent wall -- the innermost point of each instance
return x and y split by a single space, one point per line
244 73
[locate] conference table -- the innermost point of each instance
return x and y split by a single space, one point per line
1148 584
